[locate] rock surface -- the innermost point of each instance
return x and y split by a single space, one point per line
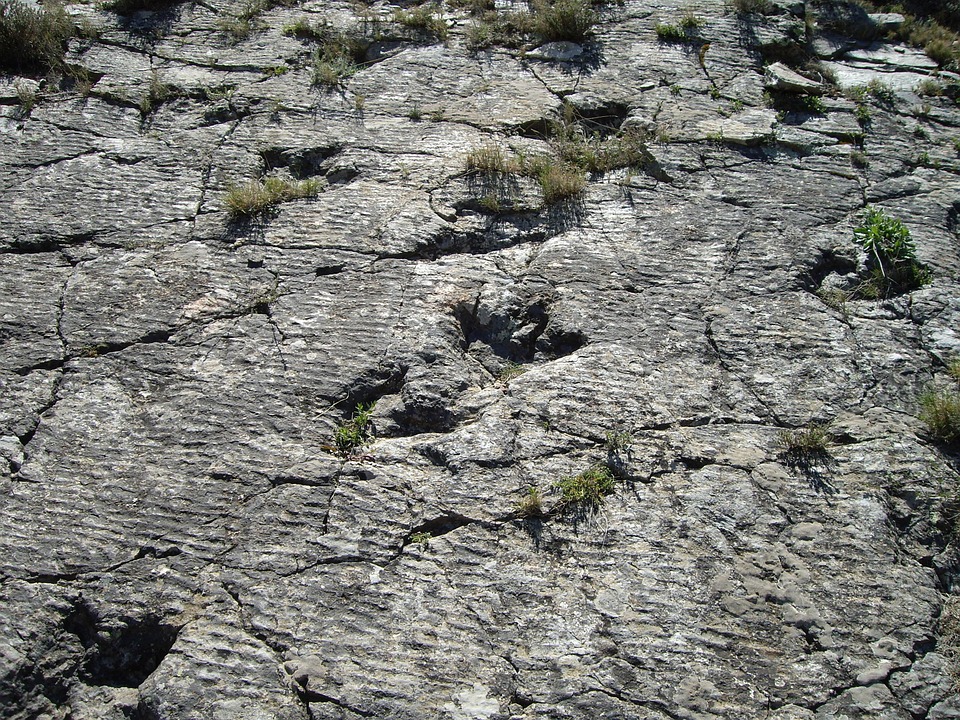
180 536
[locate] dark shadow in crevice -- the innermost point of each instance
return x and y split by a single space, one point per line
120 653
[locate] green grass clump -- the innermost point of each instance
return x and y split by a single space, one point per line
425 18
571 20
588 489
33 39
339 56
558 180
490 158
531 504
504 29
355 432
762 7
257 196
806 441
600 155
670 33
940 412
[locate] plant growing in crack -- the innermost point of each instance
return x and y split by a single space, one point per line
806 449
355 432
891 256
531 504
587 490
422 539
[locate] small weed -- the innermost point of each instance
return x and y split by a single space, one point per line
923 159
714 92
807 441
491 203
675 90
422 539
619 441
862 113
276 70
671 33
438 115
415 112
27 97
587 489
339 56
359 101
689 21
929 88
158 92
814 104
491 158
506 29
531 504
953 370
511 370
881 92
355 432
305 30
858 159
834 298
761 7
256 197
558 180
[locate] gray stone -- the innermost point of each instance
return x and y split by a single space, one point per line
556 51
778 76
187 529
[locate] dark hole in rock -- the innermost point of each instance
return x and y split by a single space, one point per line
953 218
119 654
560 342
827 263
303 162
369 388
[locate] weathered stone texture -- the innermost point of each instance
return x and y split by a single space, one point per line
179 537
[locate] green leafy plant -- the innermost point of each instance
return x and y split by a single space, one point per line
257 196
940 412
588 489
422 539
355 432
33 38
891 256
671 33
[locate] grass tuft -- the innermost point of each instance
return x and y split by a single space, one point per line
571 20
588 489
257 196
940 412
531 504
33 39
